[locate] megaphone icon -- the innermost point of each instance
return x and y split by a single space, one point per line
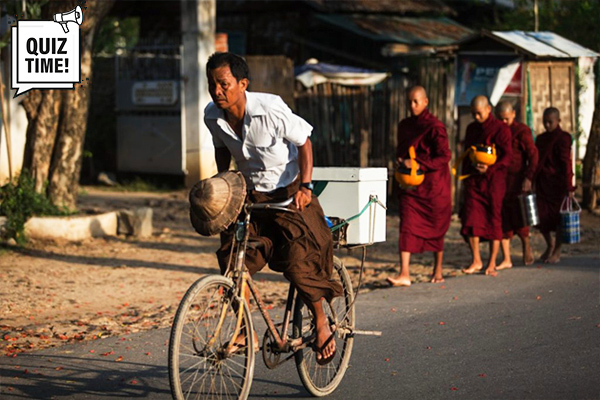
75 15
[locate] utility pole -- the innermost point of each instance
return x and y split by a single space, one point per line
198 24
537 16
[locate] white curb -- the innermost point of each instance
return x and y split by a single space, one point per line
72 228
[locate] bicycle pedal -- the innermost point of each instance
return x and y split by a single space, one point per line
366 333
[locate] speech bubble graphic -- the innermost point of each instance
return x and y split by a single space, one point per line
45 55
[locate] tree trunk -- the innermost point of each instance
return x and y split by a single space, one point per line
590 162
42 109
58 118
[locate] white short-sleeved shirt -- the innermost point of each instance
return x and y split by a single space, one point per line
267 154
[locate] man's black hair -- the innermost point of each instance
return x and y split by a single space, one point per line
552 110
237 65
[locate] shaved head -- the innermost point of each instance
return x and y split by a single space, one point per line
417 97
479 101
505 112
552 110
551 119
504 106
417 90
480 108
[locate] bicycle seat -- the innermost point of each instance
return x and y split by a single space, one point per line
281 206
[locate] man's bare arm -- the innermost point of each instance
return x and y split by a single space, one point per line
223 158
305 162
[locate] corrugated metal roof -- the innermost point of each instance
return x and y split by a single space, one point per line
383 6
410 31
544 44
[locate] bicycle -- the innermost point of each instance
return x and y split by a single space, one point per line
211 348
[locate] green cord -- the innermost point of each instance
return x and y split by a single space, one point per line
338 226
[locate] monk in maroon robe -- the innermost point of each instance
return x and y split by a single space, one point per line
553 181
481 214
518 181
425 210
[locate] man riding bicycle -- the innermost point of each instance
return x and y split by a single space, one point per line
273 151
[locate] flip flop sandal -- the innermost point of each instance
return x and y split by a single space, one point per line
323 360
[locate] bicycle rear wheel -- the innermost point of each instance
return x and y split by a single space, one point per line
321 380
199 364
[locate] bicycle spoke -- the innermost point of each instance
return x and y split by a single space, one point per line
321 380
185 371
229 370
192 385
232 378
203 371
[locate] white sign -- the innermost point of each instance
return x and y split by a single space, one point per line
46 54
154 93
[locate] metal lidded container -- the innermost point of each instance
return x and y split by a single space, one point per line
529 211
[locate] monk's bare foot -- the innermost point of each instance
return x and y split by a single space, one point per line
437 279
473 269
528 258
554 258
504 265
325 343
398 281
491 271
547 254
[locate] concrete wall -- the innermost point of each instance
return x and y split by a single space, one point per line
17 121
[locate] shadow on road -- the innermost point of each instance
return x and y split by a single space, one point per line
65 376
116 262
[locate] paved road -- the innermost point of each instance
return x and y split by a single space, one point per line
530 333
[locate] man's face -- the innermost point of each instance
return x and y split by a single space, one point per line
224 89
508 117
481 112
418 103
551 121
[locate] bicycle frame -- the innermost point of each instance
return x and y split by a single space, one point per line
205 350
243 281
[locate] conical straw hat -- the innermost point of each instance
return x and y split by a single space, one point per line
216 202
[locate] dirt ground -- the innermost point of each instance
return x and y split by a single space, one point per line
52 293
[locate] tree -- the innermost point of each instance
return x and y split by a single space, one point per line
575 20
58 118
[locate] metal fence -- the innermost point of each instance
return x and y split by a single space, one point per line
148 105
149 60
356 126
353 125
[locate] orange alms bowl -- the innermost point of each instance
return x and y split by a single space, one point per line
409 177
405 178
483 154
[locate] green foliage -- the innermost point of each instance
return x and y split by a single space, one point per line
578 171
33 10
20 201
576 20
116 33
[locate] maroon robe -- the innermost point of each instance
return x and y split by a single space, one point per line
425 210
481 214
554 176
523 165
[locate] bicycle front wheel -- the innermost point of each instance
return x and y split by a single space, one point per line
321 380
201 365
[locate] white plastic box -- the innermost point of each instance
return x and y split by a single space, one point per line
347 191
